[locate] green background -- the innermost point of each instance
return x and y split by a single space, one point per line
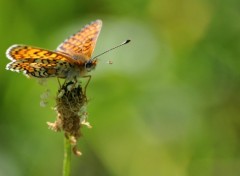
169 104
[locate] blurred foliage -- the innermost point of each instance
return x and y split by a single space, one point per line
169 105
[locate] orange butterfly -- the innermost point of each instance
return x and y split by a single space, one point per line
71 59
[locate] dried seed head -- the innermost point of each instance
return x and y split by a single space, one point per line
71 112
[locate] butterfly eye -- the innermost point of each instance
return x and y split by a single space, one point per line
88 65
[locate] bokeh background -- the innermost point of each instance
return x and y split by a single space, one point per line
169 104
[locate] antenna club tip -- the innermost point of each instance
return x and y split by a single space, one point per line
127 41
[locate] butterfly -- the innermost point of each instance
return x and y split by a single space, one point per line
70 60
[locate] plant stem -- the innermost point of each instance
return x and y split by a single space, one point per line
67 157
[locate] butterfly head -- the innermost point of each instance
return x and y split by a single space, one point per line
91 64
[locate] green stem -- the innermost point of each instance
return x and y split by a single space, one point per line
67 157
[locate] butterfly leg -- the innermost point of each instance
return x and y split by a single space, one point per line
59 83
89 78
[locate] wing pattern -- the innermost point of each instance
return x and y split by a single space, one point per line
38 62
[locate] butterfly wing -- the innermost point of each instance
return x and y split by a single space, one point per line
83 42
18 52
38 62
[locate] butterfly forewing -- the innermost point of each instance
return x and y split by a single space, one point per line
18 52
83 42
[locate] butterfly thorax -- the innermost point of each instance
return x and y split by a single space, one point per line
80 68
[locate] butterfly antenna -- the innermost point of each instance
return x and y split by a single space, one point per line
127 41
